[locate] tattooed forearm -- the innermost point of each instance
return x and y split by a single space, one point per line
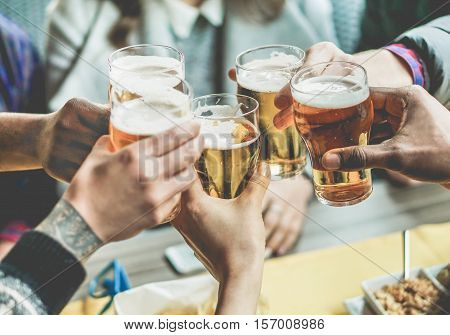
66 226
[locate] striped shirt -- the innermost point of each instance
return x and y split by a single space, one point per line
412 59
24 196
18 62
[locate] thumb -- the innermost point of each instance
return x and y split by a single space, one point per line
194 192
257 186
103 145
358 157
232 74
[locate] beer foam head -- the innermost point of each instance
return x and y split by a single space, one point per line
159 111
330 92
261 75
222 132
134 73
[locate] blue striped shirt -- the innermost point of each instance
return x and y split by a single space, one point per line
19 62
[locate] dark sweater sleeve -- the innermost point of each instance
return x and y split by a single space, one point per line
432 43
38 276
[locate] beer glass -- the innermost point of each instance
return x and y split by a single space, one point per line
333 109
229 125
261 73
130 68
147 95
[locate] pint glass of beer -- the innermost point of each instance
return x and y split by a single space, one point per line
147 96
333 109
229 125
261 73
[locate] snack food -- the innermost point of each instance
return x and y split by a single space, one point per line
408 297
444 277
208 307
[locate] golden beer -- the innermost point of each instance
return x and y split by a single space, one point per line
261 74
334 112
232 144
225 171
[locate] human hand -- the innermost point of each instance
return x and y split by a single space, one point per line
283 208
228 238
5 247
420 148
384 69
69 135
119 194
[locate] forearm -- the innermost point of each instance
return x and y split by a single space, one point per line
44 270
431 42
384 69
239 294
20 141
66 226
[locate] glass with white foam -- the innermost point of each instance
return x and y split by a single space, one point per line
163 107
261 73
333 109
133 68
229 125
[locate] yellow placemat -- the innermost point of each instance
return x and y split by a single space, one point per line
318 282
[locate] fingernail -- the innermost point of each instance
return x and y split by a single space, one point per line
281 251
268 253
283 101
264 169
331 161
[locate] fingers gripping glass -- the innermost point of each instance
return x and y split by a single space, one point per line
229 126
148 95
333 109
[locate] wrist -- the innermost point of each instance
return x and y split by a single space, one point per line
20 136
239 294
43 137
384 69
65 225
248 260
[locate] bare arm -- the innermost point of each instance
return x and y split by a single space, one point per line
19 141
239 293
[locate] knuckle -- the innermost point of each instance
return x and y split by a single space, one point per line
396 159
353 159
325 45
100 169
151 200
73 103
415 93
127 156
294 228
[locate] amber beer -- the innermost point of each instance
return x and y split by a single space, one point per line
334 112
232 144
261 74
140 118
147 93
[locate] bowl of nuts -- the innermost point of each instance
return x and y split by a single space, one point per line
391 295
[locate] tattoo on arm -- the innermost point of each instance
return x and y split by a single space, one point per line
65 225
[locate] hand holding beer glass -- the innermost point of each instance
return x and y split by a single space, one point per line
261 73
229 126
333 109
147 94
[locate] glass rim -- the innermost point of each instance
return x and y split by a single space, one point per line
234 95
142 46
190 91
303 70
240 66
